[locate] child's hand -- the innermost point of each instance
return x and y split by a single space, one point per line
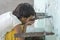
29 23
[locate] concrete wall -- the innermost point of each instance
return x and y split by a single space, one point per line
9 5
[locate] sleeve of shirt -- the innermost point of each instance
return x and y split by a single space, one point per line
7 23
14 21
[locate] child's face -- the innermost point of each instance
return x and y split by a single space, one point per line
29 19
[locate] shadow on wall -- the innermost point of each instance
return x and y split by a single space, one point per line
9 5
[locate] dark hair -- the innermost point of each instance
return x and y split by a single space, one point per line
24 10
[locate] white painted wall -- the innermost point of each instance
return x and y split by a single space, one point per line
54 10
39 5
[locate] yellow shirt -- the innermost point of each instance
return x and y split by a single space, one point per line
10 35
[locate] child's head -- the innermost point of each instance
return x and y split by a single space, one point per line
25 11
